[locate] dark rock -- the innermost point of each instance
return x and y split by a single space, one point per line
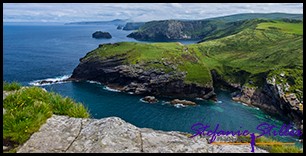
100 34
119 27
132 78
46 82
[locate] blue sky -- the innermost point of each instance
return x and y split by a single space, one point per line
73 12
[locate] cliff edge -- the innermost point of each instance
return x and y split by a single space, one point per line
113 135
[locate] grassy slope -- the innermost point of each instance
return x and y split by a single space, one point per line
29 108
246 56
251 53
248 16
207 29
295 28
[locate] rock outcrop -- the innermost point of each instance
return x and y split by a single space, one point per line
100 34
150 99
271 99
62 134
136 78
183 102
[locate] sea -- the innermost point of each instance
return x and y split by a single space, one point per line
34 52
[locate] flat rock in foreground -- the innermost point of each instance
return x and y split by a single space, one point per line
62 134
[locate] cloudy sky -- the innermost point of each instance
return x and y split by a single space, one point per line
73 12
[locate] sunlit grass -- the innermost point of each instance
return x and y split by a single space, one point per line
29 108
283 148
11 86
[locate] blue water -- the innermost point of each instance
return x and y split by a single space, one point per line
35 52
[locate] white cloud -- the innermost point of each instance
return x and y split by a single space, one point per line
70 12
177 5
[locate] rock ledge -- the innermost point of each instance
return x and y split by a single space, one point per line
62 134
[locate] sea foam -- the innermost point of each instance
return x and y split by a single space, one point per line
50 81
110 89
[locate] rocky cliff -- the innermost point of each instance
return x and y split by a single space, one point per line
271 98
117 73
62 134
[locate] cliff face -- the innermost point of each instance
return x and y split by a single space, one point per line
62 134
269 97
171 30
272 99
115 72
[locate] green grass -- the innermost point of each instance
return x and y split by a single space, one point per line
197 73
294 28
252 53
271 148
11 86
29 108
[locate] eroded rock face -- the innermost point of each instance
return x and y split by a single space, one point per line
136 78
271 99
113 135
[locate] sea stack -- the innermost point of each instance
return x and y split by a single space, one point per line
100 34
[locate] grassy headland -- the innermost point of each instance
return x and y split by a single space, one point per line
263 48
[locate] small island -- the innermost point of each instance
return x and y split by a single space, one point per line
100 34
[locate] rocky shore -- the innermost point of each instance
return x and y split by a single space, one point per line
62 134
274 101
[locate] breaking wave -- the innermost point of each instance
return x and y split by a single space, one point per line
110 89
89 81
179 105
50 81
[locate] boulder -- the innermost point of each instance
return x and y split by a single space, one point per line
100 34
150 99
184 102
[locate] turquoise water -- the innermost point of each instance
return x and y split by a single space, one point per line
48 51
